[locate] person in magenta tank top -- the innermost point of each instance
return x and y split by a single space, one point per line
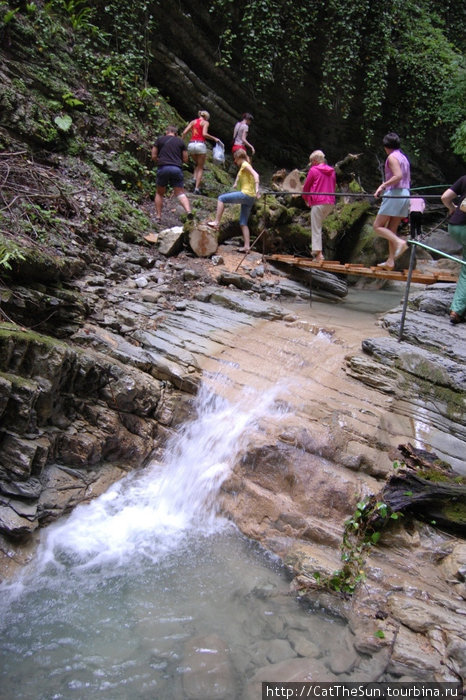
197 147
394 191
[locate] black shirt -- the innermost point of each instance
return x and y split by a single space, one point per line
170 150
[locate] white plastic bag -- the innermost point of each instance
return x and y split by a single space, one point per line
218 152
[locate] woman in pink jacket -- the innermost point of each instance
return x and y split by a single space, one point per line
321 178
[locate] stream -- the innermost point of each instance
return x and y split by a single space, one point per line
147 592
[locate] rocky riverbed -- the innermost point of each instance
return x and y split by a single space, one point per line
124 347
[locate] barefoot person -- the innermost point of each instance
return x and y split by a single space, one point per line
197 147
321 182
247 184
169 152
395 202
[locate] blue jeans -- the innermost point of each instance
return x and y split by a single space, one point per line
245 200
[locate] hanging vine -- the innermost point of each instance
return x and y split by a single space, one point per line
271 38
377 61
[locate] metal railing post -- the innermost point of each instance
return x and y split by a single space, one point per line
413 227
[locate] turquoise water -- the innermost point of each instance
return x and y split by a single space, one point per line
131 590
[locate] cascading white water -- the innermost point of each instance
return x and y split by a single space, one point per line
148 514
126 591
118 590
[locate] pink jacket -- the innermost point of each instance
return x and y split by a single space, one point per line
320 178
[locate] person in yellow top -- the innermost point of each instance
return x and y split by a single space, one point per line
247 190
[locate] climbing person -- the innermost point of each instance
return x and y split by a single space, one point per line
318 189
169 152
395 201
240 133
457 230
247 186
416 209
197 147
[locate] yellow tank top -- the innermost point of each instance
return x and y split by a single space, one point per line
246 181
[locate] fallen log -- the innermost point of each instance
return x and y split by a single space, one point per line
429 489
203 240
292 182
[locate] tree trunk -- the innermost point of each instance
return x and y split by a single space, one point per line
428 489
203 241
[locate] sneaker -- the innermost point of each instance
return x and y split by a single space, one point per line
190 216
197 190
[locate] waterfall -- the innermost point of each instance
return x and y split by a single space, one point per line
149 513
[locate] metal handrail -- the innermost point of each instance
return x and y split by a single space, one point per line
412 261
439 252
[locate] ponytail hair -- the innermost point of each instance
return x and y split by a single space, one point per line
241 154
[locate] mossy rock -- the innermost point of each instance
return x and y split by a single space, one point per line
42 266
295 238
273 213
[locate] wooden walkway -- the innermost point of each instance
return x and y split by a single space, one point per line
375 272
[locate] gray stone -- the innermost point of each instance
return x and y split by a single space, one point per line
279 650
141 282
237 280
15 525
302 645
171 240
190 275
207 670
236 301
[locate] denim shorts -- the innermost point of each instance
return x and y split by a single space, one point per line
245 200
395 202
170 175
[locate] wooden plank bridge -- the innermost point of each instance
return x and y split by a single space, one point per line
375 272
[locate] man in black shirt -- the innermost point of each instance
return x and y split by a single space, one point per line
170 152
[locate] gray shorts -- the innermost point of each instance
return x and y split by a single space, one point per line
197 148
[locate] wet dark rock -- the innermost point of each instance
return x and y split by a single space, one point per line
237 280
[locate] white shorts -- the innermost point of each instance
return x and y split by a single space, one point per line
197 147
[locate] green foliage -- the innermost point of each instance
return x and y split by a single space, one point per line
363 530
70 101
404 61
393 62
9 252
271 37
64 123
79 14
454 108
6 15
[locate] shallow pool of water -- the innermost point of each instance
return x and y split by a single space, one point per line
139 593
129 633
